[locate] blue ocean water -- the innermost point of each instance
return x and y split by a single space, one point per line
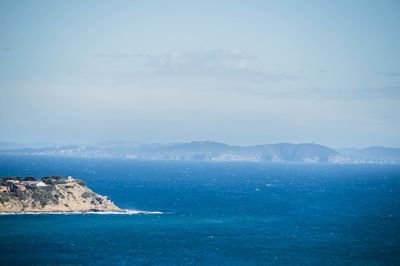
214 214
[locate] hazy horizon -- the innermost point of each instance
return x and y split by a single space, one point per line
233 72
18 145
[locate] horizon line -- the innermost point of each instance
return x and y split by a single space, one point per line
44 144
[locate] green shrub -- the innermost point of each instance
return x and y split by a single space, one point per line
53 180
80 182
86 195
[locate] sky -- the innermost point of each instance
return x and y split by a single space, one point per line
240 72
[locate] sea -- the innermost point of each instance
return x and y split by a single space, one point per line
221 213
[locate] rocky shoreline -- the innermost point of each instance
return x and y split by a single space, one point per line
124 212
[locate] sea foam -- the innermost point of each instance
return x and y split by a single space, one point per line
124 212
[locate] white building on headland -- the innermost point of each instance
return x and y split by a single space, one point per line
41 184
70 179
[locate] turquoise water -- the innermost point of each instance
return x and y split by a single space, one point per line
214 214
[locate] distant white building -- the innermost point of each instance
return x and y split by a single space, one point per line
41 184
29 183
70 179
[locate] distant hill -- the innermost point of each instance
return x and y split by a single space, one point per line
219 152
197 150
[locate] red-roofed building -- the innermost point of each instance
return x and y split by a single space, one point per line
5 189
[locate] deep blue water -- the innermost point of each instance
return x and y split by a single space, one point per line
215 214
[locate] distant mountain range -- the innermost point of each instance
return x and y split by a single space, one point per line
216 152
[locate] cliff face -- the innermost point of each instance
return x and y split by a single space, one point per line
52 195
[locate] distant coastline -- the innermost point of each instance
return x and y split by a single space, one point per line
210 151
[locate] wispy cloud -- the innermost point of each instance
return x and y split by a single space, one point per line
322 71
117 55
233 63
213 60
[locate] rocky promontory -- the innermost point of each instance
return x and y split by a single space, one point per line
50 194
